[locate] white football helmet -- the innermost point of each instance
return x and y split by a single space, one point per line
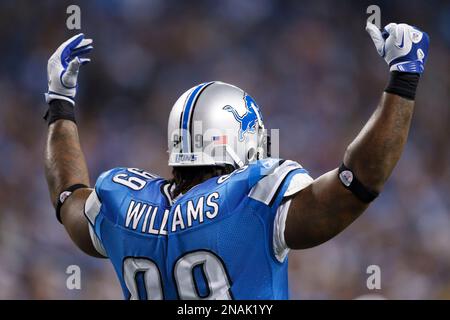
216 123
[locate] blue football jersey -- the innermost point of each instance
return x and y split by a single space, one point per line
223 239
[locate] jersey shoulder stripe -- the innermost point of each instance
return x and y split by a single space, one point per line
92 207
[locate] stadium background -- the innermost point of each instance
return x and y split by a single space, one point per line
316 76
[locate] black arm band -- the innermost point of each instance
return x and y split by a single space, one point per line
403 84
59 109
349 180
64 195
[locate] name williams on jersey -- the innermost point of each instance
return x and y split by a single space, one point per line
152 219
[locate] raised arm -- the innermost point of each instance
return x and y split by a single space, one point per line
335 200
65 167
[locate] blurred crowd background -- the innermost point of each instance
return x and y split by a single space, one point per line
315 74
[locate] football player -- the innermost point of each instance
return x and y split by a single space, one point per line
222 226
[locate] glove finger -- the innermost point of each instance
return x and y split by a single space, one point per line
376 36
73 66
84 43
64 51
391 29
373 31
72 42
82 48
84 61
69 76
81 51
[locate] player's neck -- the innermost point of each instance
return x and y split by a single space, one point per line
184 186
185 178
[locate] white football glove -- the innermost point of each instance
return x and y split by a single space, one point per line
403 47
63 66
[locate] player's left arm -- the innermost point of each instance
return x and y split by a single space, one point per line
333 201
65 166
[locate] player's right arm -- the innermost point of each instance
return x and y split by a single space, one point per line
65 166
328 205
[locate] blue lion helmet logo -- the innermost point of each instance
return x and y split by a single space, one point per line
249 119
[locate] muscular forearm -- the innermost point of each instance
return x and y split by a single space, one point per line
333 201
326 207
374 153
64 160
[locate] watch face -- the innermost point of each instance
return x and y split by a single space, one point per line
346 177
64 195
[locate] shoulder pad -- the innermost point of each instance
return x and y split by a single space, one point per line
271 177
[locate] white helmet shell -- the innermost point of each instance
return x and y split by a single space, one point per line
215 123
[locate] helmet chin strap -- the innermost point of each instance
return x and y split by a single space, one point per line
234 156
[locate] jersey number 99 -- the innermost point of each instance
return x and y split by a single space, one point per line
213 269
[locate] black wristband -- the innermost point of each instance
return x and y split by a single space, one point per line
64 195
59 109
403 84
352 183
